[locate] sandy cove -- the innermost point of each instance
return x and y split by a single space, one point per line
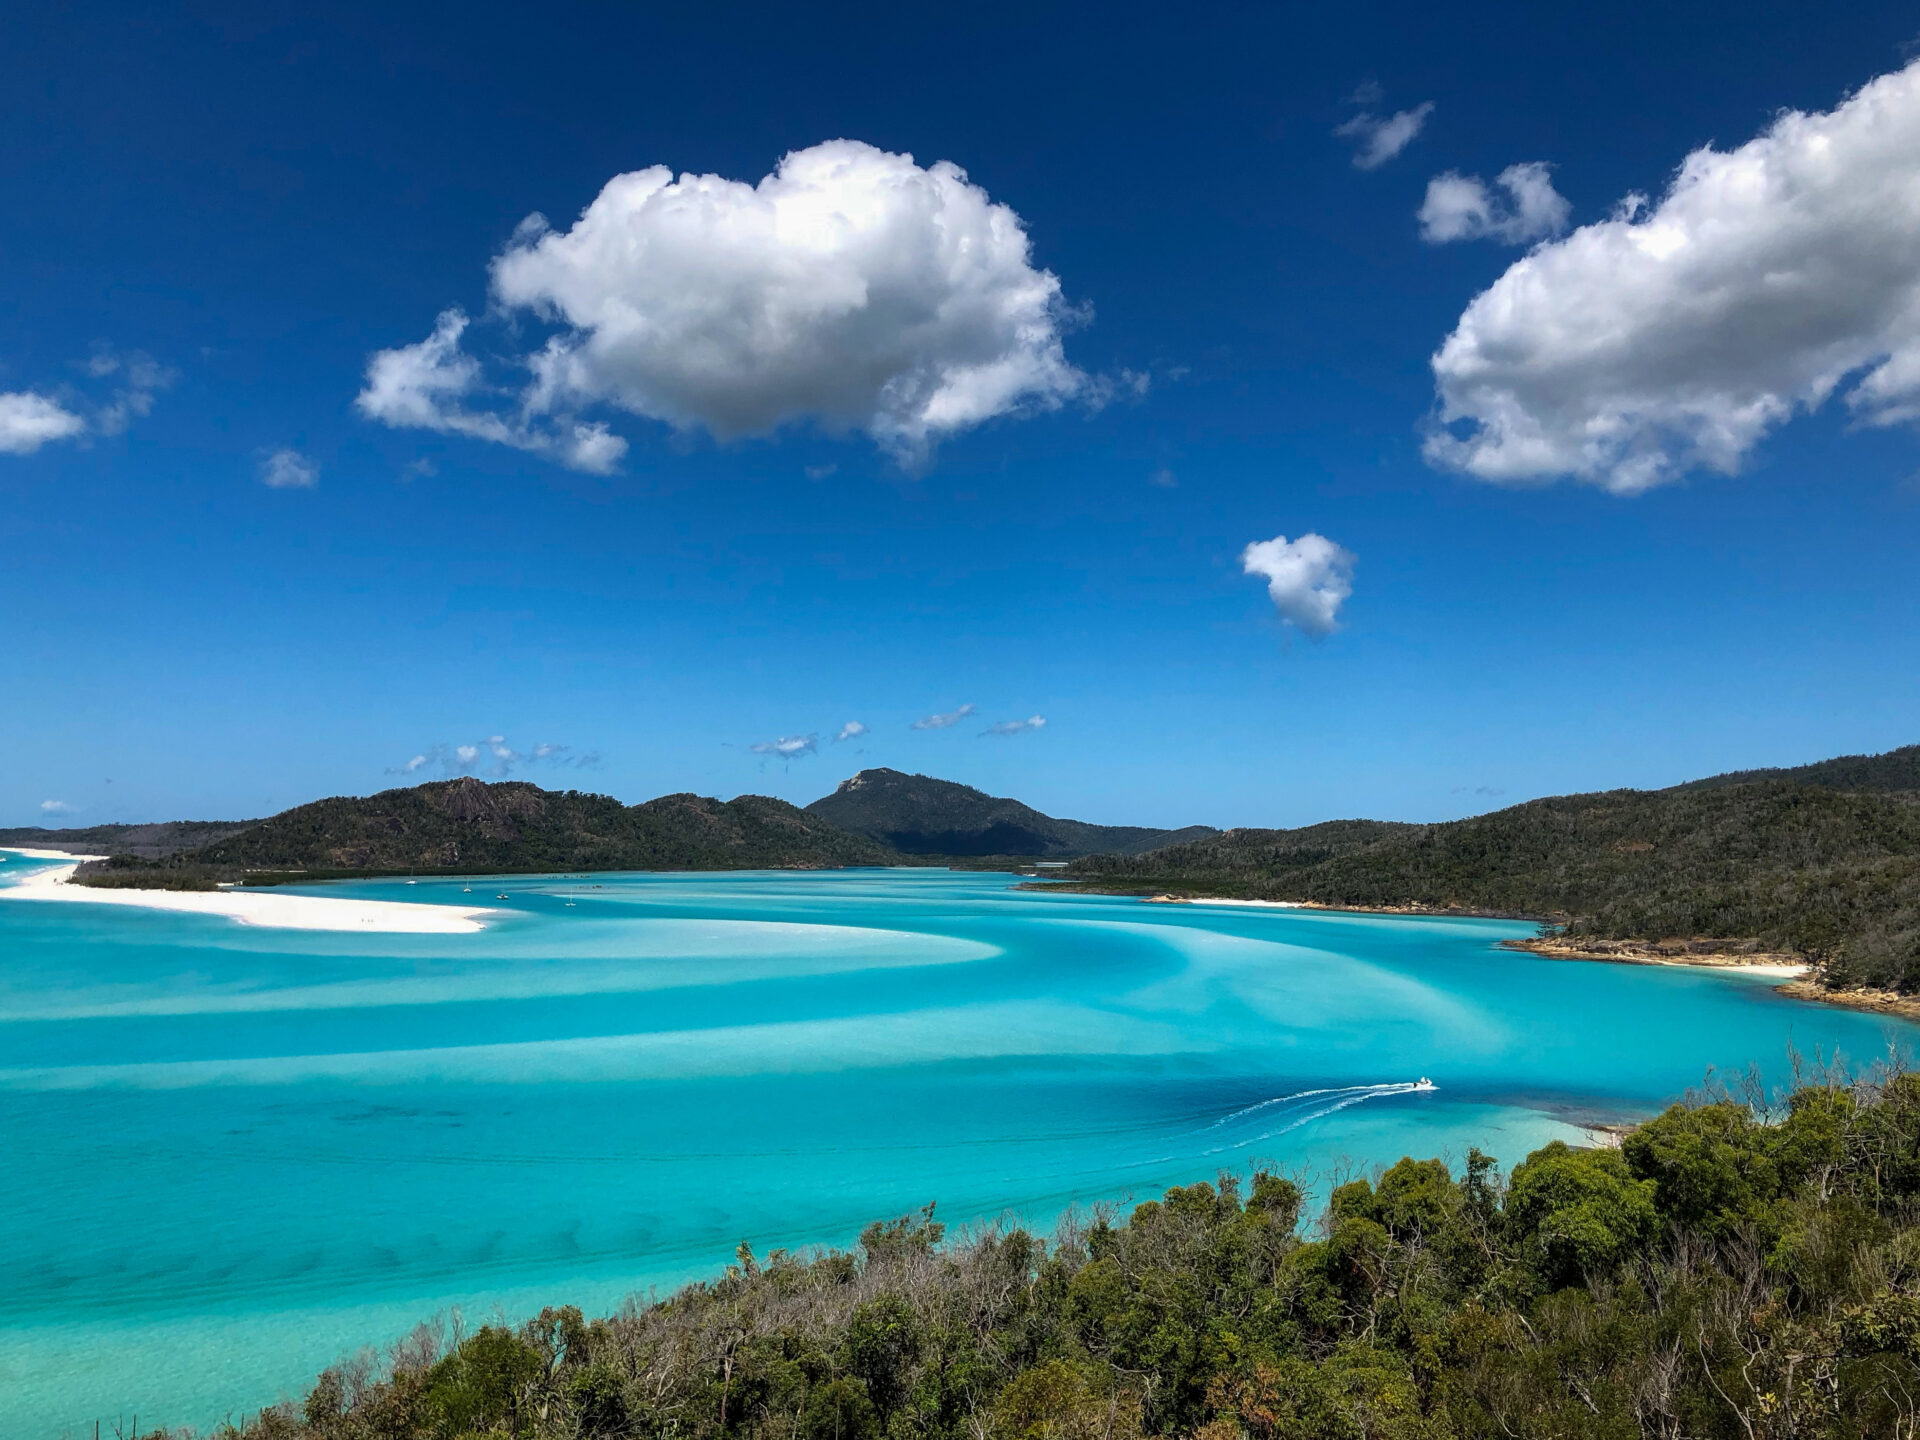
265 908
1796 974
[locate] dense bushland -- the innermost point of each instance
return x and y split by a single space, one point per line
1727 1271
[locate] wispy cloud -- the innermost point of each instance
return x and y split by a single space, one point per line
942 721
1015 727
288 469
140 378
32 418
852 730
1164 479
1381 137
789 747
495 758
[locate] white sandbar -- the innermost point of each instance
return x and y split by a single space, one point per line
252 907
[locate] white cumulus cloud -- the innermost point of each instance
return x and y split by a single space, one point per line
1309 579
55 807
851 287
943 720
29 420
1381 137
1465 207
852 730
1015 727
1674 336
287 469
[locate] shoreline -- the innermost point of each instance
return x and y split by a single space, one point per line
1219 900
1777 964
1795 974
265 909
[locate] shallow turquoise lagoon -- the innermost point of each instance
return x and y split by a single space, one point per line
235 1154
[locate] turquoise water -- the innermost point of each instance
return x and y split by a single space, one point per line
235 1154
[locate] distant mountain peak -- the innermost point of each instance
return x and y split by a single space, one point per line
925 815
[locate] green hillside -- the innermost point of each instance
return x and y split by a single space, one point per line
467 825
1894 770
149 842
1833 874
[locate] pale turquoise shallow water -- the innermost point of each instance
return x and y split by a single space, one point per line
233 1154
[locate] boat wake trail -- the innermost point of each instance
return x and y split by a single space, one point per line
1289 1112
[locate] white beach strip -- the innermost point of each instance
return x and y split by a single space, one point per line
1212 900
259 907
46 854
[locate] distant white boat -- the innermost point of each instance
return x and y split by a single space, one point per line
1426 1084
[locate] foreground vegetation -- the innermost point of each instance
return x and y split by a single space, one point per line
1825 863
1728 1271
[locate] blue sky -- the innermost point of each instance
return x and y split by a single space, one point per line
216 222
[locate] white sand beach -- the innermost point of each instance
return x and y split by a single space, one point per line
267 908
1213 900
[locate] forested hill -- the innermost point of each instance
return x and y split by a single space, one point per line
1895 770
469 825
1832 874
919 815
149 842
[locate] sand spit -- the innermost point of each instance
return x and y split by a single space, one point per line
265 908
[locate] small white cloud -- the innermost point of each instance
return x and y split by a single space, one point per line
287 469
1675 336
1464 207
1015 727
1164 479
852 730
55 807
1383 137
789 747
1309 579
498 758
821 472
942 721
29 420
